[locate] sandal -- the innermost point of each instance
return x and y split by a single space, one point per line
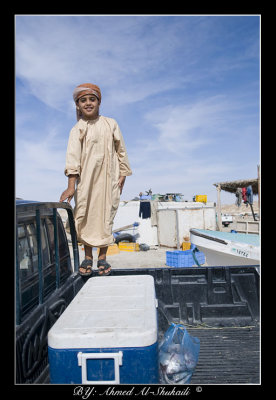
87 265
105 266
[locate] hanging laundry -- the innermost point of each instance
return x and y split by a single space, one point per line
244 196
145 210
249 194
239 197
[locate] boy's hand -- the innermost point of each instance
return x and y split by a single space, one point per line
121 183
67 194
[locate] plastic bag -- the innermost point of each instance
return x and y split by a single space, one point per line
178 355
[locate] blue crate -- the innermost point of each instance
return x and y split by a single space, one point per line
182 259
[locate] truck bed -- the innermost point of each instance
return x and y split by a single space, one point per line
220 306
227 355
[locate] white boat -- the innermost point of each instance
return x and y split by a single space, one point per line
227 248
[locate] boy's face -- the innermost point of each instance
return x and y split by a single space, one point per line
88 105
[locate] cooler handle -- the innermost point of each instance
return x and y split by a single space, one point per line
118 360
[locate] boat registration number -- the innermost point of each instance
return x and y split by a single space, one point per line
240 252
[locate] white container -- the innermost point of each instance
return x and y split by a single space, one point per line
174 224
111 317
170 222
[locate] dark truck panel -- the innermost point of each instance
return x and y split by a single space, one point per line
220 306
31 335
45 283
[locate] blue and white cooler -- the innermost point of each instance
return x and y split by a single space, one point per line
107 334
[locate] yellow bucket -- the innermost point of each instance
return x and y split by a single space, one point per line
186 246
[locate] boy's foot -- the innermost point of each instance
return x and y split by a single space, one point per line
104 267
85 269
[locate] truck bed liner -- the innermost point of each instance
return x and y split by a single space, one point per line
227 356
220 306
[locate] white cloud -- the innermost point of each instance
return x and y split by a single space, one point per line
187 177
133 57
186 127
188 151
39 167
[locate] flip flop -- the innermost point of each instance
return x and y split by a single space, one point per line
105 265
87 265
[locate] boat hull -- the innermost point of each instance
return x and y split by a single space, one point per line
220 252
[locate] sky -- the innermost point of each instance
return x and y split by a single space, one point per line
184 89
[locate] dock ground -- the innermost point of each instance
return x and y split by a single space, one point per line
153 258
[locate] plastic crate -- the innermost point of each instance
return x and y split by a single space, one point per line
182 259
124 246
201 198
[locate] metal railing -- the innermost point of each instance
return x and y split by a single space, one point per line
37 208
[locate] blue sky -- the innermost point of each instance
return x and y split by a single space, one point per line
185 91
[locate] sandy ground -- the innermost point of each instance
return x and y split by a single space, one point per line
243 209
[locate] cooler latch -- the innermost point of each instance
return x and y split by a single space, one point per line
82 362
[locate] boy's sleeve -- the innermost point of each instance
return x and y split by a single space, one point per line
120 149
73 154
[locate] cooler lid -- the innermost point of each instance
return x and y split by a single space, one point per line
109 312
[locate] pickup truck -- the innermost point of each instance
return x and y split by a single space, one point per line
226 219
219 305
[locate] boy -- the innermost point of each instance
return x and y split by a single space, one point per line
96 160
